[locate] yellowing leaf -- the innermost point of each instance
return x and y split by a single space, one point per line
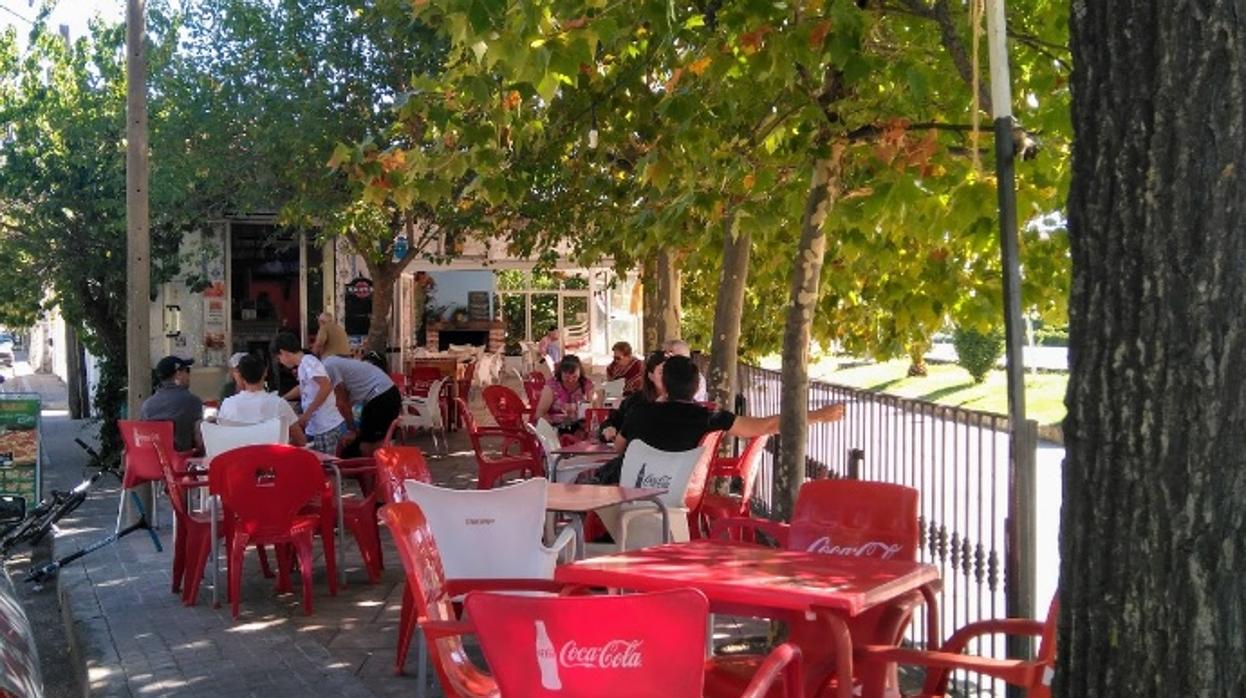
698 67
341 153
578 23
818 35
749 181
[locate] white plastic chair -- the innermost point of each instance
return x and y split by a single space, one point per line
487 534
425 413
219 438
646 466
561 469
613 390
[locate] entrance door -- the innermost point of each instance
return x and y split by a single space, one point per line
275 285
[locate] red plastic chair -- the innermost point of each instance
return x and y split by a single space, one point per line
500 451
359 513
605 646
263 489
140 460
400 381
428 598
394 464
532 386
192 539
879 662
505 405
421 378
715 506
851 517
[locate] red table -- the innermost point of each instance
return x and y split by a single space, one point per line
798 587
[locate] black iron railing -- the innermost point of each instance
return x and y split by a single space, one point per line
957 459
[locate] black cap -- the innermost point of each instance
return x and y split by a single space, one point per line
170 365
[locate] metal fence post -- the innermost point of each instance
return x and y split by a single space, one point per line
856 456
1021 571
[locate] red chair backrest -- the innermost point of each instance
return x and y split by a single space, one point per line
1046 658
426 580
141 462
395 464
422 377
265 486
750 459
399 380
616 645
465 413
856 517
700 473
505 405
177 496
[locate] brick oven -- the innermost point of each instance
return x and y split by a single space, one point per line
440 335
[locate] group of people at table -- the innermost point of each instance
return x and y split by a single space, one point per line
330 383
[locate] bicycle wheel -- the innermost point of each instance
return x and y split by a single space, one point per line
65 508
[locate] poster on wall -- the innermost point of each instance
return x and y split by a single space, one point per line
358 306
213 330
19 445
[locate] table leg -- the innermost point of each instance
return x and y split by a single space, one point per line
823 656
577 520
215 549
341 524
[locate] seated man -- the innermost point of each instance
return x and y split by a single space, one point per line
173 402
253 404
677 423
233 382
357 381
678 347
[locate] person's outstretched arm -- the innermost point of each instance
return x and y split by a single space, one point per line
750 427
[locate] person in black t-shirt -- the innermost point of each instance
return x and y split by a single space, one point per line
677 423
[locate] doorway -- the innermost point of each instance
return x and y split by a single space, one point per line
276 285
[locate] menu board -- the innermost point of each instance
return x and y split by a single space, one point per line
19 445
478 305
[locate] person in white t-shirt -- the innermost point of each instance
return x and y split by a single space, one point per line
320 419
253 404
678 347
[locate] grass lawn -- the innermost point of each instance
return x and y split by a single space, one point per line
948 384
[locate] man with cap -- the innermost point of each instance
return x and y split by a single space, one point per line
233 382
173 402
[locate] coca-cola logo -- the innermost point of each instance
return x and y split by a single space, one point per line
616 654
880 550
661 482
478 522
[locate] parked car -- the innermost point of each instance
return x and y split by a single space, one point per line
19 661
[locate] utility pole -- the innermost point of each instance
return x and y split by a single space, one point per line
138 234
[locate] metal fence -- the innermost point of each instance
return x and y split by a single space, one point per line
957 459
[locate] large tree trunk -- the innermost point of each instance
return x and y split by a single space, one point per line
76 389
383 281
669 295
728 310
806 273
1153 527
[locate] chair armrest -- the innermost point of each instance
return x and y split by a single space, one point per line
458 587
564 538
1004 626
783 661
1004 669
724 528
436 629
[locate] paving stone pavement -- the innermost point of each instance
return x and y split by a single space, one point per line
136 639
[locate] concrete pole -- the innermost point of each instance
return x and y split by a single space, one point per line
138 233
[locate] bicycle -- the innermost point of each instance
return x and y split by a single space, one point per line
40 520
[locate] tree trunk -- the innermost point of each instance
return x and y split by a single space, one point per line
917 358
1153 526
383 282
669 292
651 316
806 273
76 389
728 310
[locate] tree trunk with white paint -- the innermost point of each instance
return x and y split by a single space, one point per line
1153 526
806 273
670 286
728 312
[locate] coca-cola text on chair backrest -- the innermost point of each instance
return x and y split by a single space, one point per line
602 646
856 518
494 533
